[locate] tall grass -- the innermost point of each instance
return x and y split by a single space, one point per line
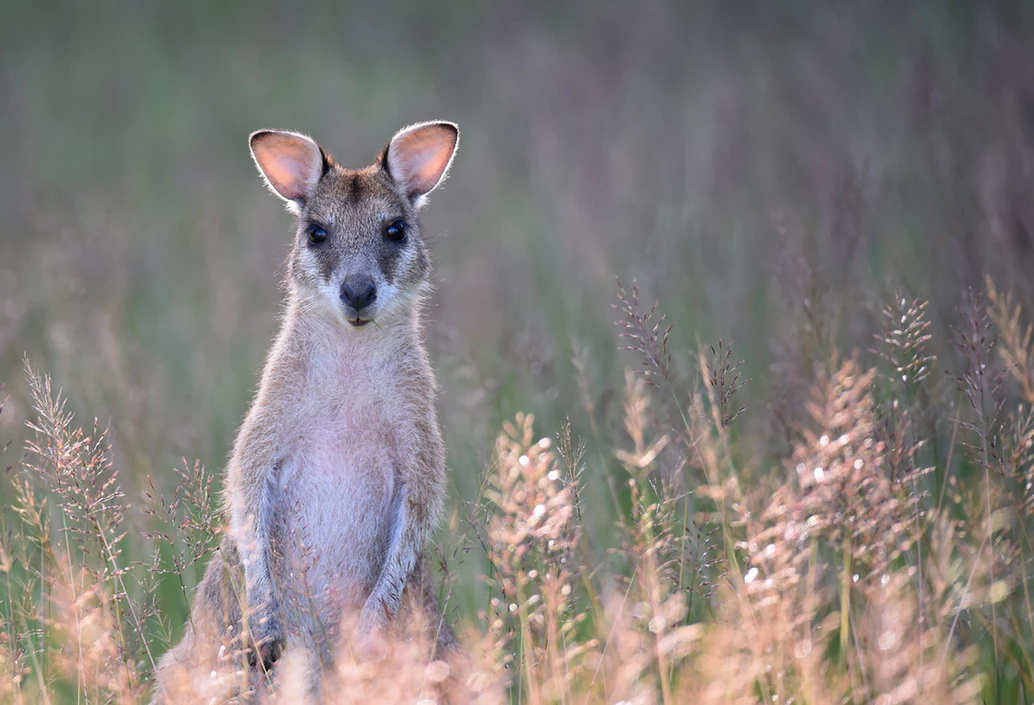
853 572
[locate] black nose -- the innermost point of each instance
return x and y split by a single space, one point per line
358 292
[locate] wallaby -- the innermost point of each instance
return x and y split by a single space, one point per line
337 475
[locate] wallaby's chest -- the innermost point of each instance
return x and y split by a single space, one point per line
338 479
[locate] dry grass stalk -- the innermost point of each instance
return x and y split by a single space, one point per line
532 533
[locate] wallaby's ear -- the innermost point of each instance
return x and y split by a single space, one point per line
292 164
418 157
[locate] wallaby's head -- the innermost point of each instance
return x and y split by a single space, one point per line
358 254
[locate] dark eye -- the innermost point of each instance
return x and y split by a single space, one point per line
396 231
317 234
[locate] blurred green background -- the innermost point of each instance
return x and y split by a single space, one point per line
771 172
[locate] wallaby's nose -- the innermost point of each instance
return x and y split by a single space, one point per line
358 291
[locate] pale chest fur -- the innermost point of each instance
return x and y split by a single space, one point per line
348 426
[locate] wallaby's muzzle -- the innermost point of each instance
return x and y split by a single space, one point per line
358 292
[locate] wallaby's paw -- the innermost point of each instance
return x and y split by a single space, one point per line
370 636
267 641
371 646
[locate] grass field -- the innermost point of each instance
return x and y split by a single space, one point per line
836 506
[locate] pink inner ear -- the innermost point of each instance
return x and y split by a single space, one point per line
291 163
418 159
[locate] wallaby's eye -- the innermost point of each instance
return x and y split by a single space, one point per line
396 231
317 234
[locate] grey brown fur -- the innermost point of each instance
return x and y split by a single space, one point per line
337 476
